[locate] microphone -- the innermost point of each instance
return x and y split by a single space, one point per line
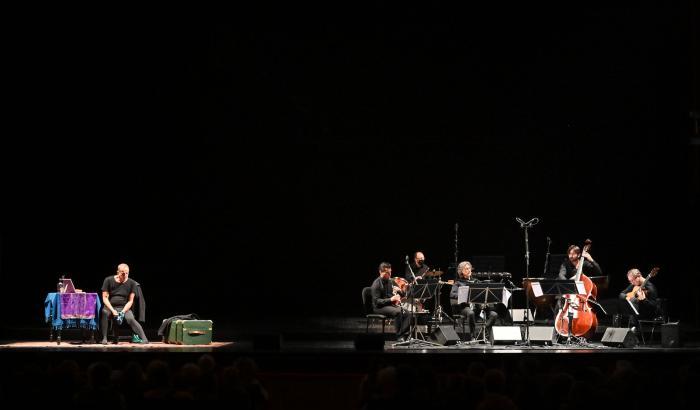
549 240
406 259
529 223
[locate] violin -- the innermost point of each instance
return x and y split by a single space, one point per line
633 293
584 321
402 284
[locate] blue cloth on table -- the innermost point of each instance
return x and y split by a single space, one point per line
52 312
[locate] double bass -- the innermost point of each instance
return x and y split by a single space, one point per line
584 321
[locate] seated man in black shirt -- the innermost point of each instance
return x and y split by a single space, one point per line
567 270
118 293
464 278
644 299
386 300
569 267
416 268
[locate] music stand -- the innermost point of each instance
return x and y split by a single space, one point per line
483 294
555 261
418 291
488 263
434 278
559 287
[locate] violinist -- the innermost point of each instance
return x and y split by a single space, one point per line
386 300
567 270
464 278
643 296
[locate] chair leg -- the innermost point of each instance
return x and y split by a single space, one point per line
641 332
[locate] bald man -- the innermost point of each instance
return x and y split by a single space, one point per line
417 267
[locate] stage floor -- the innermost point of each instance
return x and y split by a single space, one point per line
328 335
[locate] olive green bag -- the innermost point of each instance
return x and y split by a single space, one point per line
190 332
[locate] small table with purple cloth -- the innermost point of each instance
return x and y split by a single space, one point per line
72 311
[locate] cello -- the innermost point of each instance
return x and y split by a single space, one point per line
583 319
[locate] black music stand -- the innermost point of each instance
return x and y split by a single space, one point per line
418 291
434 278
485 294
488 263
559 287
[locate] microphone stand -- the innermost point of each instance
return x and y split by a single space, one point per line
526 225
546 257
413 326
456 244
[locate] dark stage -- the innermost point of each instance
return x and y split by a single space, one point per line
256 169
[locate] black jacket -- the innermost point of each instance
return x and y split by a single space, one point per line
139 306
165 326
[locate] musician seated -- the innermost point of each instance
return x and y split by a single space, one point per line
568 268
643 296
386 300
464 278
417 268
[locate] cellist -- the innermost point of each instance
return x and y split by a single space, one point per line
575 317
567 270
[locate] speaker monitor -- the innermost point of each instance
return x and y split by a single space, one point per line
506 334
542 335
519 316
369 341
670 335
619 337
446 335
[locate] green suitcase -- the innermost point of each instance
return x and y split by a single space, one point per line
190 332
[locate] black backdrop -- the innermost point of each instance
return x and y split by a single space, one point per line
263 160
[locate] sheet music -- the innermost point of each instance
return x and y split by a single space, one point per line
636 312
536 289
580 287
463 295
506 296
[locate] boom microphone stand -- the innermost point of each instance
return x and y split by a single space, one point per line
413 324
526 225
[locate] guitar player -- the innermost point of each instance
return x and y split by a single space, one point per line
642 295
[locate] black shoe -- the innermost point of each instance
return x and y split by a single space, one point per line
401 339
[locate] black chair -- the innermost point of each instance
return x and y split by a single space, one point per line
462 320
660 319
369 311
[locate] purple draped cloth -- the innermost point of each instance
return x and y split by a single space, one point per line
78 305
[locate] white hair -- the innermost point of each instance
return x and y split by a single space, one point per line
462 266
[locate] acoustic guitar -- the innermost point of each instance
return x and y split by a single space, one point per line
633 293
